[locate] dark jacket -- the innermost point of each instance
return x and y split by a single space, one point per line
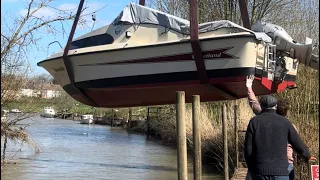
266 142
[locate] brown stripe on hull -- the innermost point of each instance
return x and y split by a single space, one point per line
210 54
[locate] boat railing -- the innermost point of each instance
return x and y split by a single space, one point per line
50 45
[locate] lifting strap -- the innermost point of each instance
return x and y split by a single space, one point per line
66 59
195 43
197 53
244 14
142 2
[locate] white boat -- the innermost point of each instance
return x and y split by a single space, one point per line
86 119
3 117
145 55
15 111
48 112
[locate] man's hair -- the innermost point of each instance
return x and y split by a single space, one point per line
283 107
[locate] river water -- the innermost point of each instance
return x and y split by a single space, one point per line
70 150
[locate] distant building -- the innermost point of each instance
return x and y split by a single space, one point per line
30 90
45 91
49 91
13 87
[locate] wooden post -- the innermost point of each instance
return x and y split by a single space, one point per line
225 142
181 136
309 170
112 117
196 137
130 114
130 118
236 135
148 123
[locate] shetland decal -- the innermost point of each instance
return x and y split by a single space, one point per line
218 54
60 69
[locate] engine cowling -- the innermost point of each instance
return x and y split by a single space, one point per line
285 43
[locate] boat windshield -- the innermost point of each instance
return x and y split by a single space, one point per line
98 40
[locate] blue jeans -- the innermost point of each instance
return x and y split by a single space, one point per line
259 177
291 171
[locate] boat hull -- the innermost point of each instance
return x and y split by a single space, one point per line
86 121
15 111
150 75
47 115
164 93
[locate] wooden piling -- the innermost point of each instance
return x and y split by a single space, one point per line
225 142
236 134
112 118
130 114
197 174
181 136
130 118
148 124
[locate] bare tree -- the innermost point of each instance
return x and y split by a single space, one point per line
42 78
17 38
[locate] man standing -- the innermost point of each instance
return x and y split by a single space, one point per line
282 109
266 142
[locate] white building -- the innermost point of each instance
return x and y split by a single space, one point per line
49 91
30 90
26 92
45 91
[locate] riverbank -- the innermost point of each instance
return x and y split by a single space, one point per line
164 127
70 150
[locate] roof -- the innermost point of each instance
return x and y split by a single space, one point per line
53 87
30 85
34 86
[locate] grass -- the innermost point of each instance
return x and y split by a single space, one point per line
210 129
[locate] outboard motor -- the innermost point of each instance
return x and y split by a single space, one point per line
284 42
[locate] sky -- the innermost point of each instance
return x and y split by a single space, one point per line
14 8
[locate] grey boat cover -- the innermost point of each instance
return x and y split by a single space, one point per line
137 14
214 25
